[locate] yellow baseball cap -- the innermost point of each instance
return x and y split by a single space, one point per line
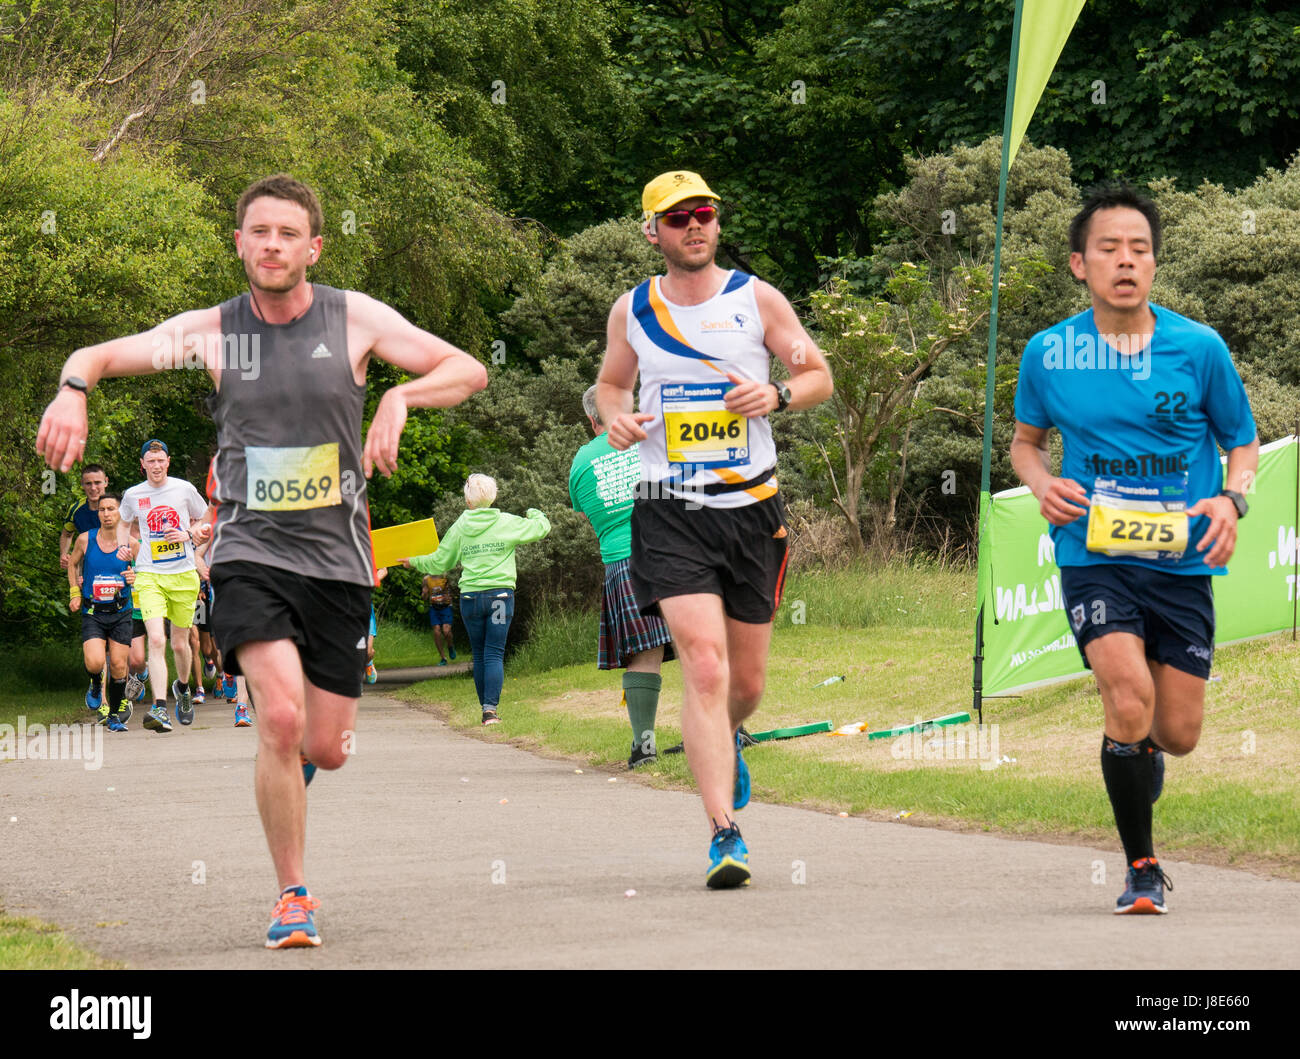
668 189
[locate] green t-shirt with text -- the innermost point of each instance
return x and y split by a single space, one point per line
602 484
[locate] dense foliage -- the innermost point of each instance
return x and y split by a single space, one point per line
480 165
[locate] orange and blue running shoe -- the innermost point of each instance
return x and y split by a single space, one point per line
242 720
1145 894
292 925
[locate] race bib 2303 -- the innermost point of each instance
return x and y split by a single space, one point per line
293 479
1139 519
699 428
165 551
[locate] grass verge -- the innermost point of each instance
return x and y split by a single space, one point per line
899 638
30 945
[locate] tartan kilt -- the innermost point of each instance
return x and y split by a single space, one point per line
624 630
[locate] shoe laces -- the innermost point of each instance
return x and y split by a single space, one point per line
721 834
295 909
1148 869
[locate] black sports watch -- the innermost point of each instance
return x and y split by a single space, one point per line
74 383
1238 501
782 396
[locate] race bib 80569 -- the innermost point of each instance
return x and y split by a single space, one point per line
293 479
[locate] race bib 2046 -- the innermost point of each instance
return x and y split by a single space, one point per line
293 479
699 428
1144 519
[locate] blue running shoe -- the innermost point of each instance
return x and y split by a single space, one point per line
156 720
117 721
728 859
308 770
451 651
184 704
242 720
740 794
228 687
1157 773
372 674
1145 894
209 669
292 925
93 699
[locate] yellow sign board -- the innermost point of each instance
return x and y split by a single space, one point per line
392 544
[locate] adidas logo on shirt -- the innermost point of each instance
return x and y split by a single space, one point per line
320 351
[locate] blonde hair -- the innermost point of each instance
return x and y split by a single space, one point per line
480 491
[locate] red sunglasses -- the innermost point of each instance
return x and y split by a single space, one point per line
681 218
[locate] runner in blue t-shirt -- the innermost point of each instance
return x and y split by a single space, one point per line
1143 399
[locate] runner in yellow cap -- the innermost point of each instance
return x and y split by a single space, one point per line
708 526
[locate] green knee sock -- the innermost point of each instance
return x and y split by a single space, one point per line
641 696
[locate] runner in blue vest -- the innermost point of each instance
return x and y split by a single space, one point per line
100 582
1140 515
291 564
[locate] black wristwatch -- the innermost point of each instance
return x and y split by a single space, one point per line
74 383
1238 501
782 396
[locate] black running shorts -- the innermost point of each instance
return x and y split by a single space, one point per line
1173 614
115 626
328 620
739 553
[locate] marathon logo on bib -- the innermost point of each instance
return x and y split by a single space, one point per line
293 479
699 428
158 522
1144 519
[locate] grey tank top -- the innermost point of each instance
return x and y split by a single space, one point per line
288 469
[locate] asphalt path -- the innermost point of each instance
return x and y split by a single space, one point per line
432 849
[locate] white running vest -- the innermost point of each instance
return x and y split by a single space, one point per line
685 353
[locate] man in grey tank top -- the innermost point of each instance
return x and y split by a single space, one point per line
290 557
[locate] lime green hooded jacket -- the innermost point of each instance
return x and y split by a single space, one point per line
483 541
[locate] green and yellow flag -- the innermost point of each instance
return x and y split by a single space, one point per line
1044 29
1038 35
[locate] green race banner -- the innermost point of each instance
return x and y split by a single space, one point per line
1027 637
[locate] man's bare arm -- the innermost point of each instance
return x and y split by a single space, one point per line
63 431
1060 500
810 380
446 375
614 384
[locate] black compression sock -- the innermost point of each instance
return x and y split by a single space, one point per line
1126 769
96 682
116 693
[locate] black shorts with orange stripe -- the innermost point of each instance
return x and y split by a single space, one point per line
739 553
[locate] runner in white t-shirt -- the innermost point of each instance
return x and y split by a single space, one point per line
159 512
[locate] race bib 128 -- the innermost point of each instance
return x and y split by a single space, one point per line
293 479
